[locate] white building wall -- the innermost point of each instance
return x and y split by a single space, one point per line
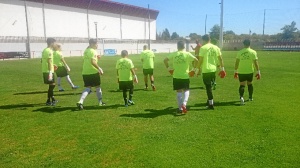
69 22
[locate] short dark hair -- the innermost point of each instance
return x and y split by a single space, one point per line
180 45
124 53
246 42
93 41
206 38
50 41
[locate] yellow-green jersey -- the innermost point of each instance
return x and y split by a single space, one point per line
148 59
246 57
89 55
124 66
46 55
210 54
180 61
57 56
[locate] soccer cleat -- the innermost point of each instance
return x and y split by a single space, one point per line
153 88
146 88
61 90
48 103
242 101
90 91
75 87
250 99
54 102
102 103
130 102
184 110
126 105
80 106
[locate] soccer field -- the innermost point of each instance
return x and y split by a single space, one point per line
263 133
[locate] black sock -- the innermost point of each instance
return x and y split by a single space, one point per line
125 96
146 85
152 82
241 90
50 92
250 90
130 94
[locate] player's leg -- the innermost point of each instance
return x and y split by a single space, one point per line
250 86
88 83
59 85
152 79
59 74
207 78
71 83
242 79
122 86
130 86
145 78
178 87
99 96
186 95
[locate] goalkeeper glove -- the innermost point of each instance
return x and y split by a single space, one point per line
236 75
171 70
258 75
222 73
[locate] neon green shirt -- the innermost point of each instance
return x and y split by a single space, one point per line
210 54
181 64
124 66
89 55
57 56
148 59
46 55
246 57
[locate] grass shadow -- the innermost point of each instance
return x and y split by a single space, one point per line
217 103
152 113
194 88
67 94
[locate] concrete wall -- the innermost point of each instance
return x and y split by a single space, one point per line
76 49
69 22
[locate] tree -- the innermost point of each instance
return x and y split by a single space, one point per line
289 31
174 36
165 34
215 31
194 36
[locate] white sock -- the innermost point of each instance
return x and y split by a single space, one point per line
186 97
84 94
179 99
99 94
211 102
69 80
58 83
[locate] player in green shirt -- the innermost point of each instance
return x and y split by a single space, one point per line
91 73
62 67
48 70
147 57
181 61
126 75
209 56
244 67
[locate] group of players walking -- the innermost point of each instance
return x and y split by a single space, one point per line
207 60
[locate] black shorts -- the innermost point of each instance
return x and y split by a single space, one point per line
209 78
61 71
45 77
179 84
148 71
246 77
125 85
91 80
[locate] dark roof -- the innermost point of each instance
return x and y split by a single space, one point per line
104 6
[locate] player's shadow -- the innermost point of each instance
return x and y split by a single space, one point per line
152 113
53 109
86 108
67 94
23 106
29 93
217 103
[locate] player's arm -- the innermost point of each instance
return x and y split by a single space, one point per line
236 66
50 64
65 64
166 62
222 72
134 75
192 47
257 69
95 65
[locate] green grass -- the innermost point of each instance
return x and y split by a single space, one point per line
263 133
